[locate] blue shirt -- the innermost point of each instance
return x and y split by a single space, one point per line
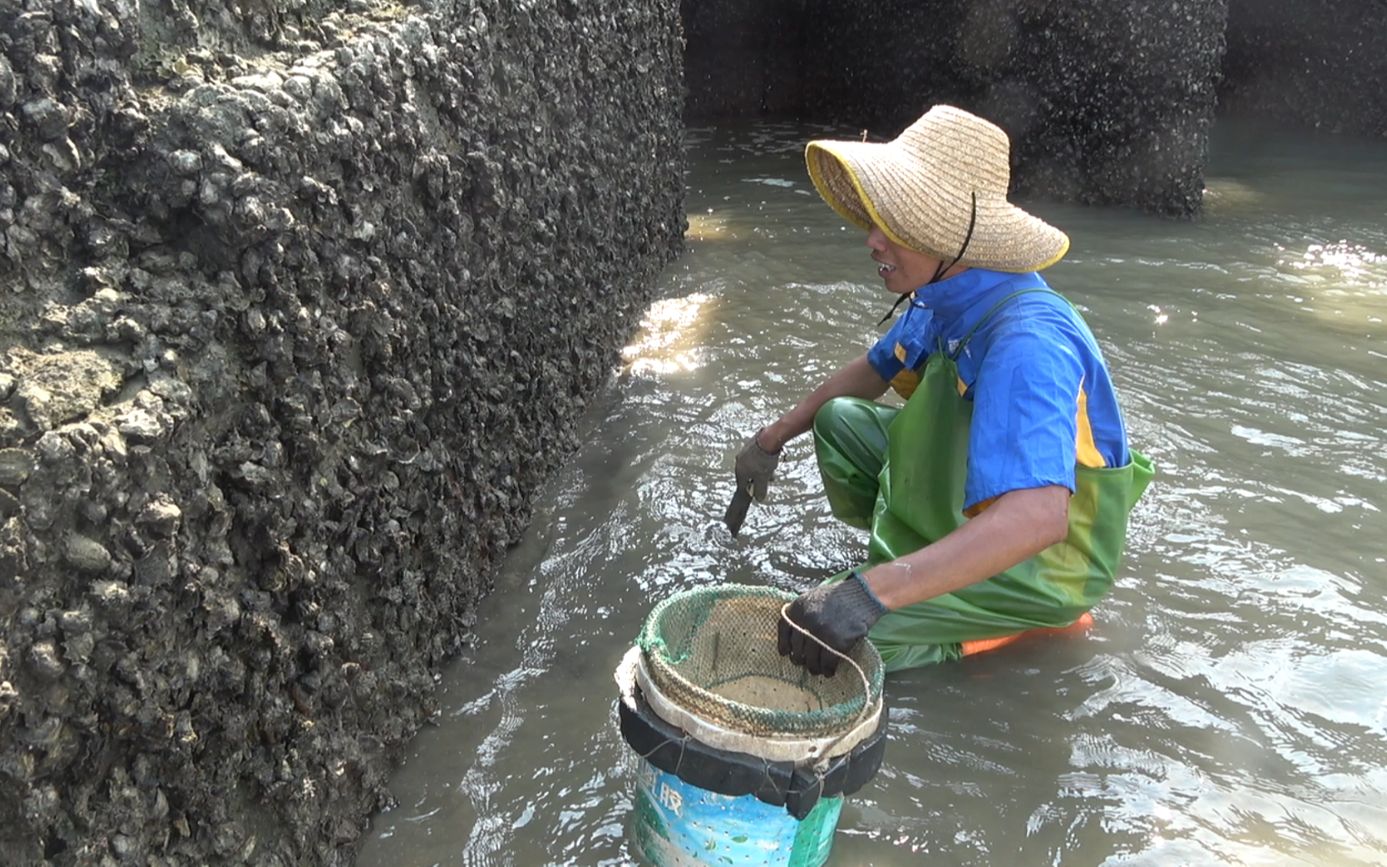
1043 401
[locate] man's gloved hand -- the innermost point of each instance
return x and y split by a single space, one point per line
839 615
756 467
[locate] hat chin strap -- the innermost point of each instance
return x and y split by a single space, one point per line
942 269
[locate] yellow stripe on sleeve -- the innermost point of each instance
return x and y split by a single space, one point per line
905 383
1086 450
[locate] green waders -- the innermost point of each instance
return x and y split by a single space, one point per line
900 472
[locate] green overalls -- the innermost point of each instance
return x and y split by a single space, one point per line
900 474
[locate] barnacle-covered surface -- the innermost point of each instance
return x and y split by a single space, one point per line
1106 101
1318 64
299 302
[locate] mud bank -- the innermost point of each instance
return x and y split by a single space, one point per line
298 305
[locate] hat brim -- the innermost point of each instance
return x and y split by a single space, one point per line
879 184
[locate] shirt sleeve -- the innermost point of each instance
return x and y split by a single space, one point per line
1025 417
903 345
882 355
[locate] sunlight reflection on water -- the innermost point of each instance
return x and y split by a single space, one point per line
668 338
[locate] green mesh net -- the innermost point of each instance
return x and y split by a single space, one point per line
713 652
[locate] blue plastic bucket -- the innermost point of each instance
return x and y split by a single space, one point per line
697 805
676 824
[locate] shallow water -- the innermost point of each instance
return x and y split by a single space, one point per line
1229 706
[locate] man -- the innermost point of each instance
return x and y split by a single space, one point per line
997 497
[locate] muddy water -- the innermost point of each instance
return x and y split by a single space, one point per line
1230 705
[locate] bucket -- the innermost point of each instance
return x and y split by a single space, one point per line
744 757
677 824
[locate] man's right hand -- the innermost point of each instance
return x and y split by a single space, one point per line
839 615
756 467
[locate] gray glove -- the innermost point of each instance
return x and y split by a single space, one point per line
756 467
839 615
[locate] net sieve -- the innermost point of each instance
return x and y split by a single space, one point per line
712 652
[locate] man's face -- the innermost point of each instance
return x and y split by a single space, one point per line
902 269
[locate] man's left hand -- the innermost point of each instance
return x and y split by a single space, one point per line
839 615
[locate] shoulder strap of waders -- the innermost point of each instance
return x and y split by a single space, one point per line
995 307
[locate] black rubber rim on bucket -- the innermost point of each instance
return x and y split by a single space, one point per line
780 784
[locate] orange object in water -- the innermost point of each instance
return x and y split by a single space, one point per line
982 645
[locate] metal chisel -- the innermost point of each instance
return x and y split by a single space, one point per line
736 510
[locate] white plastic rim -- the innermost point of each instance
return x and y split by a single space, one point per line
632 673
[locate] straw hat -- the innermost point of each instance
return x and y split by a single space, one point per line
919 189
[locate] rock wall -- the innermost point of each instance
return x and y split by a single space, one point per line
1310 63
298 305
741 60
1106 101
